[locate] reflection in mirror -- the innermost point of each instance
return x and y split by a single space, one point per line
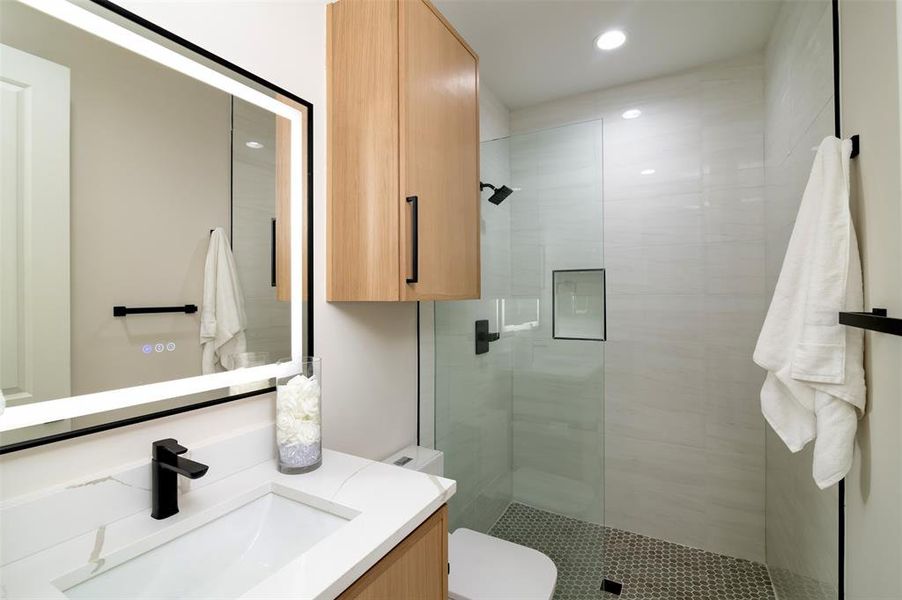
255 234
124 183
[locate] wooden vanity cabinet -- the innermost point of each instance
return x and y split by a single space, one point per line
403 155
417 568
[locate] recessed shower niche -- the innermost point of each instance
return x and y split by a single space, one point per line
579 307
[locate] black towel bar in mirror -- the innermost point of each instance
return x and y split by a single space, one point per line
121 311
876 320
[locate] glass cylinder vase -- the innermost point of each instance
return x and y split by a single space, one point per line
299 419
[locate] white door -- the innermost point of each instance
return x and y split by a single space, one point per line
34 228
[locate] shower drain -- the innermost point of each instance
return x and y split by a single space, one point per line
612 587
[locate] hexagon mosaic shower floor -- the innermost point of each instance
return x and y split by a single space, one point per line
649 569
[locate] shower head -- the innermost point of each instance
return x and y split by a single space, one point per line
500 195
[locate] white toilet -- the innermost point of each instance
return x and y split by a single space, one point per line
483 567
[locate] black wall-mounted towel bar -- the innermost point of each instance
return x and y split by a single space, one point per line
876 320
121 311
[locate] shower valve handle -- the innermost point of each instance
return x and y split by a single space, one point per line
483 336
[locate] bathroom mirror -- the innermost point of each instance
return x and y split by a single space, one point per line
155 210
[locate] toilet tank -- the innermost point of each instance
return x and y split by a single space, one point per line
419 458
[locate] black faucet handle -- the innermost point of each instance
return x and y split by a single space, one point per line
168 448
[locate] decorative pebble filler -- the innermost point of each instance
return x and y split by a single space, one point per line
649 569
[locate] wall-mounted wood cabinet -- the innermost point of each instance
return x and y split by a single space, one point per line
403 155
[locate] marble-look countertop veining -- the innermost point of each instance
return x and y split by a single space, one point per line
383 504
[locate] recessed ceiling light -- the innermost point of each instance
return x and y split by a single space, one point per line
254 145
631 113
647 172
610 40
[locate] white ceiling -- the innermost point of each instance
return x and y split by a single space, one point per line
531 51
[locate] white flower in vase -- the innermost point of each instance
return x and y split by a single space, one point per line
298 411
308 432
310 408
286 429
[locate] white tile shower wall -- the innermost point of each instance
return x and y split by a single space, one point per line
801 521
684 248
473 393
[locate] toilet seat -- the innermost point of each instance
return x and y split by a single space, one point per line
487 568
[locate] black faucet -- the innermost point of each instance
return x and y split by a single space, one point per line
167 465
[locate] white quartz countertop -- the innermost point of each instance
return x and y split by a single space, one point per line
384 504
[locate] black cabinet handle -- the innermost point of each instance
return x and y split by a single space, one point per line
272 254
415 240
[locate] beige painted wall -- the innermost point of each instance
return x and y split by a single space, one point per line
150 178
870 107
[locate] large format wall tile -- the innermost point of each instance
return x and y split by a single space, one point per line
656 489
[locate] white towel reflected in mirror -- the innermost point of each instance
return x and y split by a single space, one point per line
222 319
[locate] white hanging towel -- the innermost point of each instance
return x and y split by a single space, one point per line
222 317
815 387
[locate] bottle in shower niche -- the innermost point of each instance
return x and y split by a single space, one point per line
299 419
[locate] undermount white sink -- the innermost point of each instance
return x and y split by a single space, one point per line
222 558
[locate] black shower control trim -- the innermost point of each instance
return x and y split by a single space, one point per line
483 337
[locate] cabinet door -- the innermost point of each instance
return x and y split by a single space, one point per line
439 116
362 214
416 569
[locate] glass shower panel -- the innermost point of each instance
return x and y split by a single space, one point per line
558 384
524 422
473 392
